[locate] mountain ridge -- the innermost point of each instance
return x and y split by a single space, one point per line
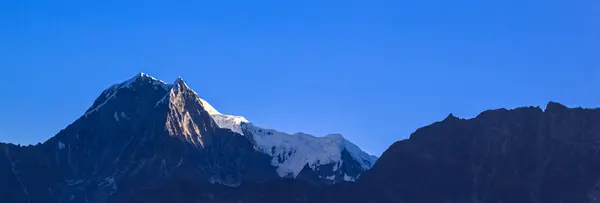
140 142
520 155
142 128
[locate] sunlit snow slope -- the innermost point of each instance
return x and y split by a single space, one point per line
291 152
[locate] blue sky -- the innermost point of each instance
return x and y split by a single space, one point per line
371 70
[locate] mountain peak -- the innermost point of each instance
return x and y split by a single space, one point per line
180 86
335 136
140 82
180 83
451 117
194 120
142 74
142 77
179 80
554 107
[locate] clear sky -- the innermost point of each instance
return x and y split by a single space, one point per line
371 70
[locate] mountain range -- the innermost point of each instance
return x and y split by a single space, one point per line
144 140
144 127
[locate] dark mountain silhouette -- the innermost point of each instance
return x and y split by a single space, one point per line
521 155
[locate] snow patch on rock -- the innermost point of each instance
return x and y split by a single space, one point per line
61 145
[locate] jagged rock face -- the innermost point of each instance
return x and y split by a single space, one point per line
229 158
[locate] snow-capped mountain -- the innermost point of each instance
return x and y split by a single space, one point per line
142 132
147 141
137 134
332 158
291 152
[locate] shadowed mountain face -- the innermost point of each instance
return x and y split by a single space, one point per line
521 155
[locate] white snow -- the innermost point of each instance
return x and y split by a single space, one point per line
111 92
110 181
154 81
61 145
337 165
164 98
349 178
291 152
124 116
209 108
223 120
234 123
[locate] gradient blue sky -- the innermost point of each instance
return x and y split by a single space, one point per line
371 70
